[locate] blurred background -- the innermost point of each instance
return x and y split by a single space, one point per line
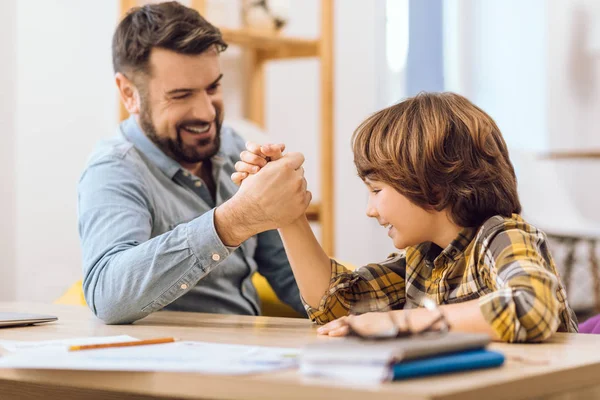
534 66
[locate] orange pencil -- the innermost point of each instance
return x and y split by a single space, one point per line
121 344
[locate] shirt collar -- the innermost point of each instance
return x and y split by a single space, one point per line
132 132
455 249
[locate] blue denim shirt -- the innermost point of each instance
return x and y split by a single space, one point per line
149 241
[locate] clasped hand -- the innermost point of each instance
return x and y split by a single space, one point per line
278 194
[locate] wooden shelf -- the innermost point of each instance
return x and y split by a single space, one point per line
271 46
571 154
313 212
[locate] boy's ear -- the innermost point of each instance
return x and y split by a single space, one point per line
128 92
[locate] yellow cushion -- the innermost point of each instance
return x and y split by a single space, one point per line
271 306
73 296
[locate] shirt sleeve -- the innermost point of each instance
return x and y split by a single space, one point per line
523 304
376 286
128 274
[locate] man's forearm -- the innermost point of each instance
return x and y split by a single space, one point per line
311 266
131 280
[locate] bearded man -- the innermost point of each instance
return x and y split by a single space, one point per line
160 221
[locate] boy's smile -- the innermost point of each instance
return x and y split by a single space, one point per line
407 224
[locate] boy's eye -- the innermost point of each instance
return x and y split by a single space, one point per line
375 191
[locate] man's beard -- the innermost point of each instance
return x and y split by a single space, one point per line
175 148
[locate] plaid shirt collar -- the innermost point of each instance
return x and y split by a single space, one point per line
454 250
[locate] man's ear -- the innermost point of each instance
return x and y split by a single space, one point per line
129 93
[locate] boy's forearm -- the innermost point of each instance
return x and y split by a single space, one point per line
311 266
467 317
462 317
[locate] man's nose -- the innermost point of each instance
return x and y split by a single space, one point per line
204 108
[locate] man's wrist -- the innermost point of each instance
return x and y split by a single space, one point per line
230 224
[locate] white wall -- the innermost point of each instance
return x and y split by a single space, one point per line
573 74
359 55
65 102
573 80
495 54
573 117
534 66
7 149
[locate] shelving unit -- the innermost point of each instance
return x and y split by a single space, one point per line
261 48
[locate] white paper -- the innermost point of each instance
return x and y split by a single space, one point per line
356 373
62 344
185 356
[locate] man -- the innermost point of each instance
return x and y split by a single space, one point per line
161 223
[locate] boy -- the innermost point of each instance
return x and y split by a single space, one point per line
441 182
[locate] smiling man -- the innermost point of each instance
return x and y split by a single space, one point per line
161 223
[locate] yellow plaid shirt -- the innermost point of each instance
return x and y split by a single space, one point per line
505 264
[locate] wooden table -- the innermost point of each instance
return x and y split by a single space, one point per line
571 371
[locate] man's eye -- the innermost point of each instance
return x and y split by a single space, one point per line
181 96
213 88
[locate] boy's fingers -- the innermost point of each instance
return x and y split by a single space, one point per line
341 331
241 166
273 151
255 149
238 177
252 158
330 326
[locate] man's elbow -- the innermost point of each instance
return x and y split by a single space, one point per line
116 318
114 313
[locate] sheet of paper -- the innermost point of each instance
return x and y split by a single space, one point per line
362 374
63 344
185 356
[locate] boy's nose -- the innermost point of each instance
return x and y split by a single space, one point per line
371 212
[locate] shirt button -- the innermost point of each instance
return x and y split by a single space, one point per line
216 257
183 286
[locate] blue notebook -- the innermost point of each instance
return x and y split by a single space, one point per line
447 363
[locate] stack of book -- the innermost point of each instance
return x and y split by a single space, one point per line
370 361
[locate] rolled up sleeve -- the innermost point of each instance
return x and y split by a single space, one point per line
523 305
381 285
129 274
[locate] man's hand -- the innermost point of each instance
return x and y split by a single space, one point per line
274 198
254 158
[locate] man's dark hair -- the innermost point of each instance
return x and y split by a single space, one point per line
170 26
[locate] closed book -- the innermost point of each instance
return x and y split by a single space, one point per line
447 363
372 360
